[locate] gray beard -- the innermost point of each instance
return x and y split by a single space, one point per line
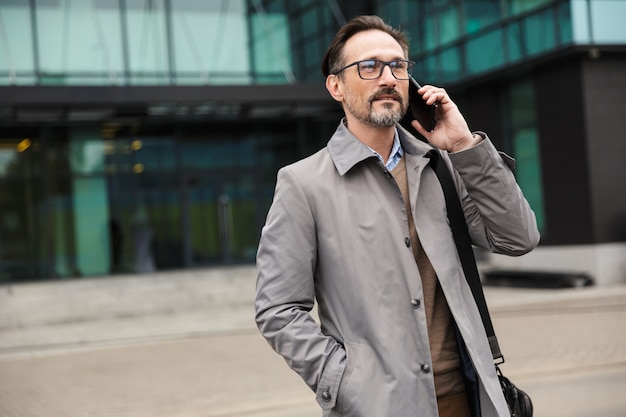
386 118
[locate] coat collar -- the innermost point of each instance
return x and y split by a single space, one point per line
347 151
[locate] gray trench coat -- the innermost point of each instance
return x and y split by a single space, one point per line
337 232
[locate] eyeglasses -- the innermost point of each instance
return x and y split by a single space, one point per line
370 69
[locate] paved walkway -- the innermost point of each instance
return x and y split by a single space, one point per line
566 347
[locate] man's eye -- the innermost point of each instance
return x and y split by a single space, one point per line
398 65
368 65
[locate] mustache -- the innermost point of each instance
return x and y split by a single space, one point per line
387 92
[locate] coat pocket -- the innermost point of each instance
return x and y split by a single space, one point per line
346 393
328 386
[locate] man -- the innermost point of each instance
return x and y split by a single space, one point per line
361 227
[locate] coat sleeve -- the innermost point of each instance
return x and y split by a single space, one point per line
498 216
285 291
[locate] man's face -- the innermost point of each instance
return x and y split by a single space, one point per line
381 102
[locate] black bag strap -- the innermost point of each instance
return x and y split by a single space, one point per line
464 247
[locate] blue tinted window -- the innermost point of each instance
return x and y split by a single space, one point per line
539 32
272 48
451 63
485 52
480 13
523 6
526 145
564 19
430 74
449 26
514 42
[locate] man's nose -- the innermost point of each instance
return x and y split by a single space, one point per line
387 76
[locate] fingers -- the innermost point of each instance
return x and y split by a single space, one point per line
434 95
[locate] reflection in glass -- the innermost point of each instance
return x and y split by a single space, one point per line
272 48
16 42
148 53
79 42
210 42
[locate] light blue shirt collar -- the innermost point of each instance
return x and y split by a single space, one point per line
395 155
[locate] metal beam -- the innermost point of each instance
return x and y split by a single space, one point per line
139 95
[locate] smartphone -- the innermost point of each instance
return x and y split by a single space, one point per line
422 112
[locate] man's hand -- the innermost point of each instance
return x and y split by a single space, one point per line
451 132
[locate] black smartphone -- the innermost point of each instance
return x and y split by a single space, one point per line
422 112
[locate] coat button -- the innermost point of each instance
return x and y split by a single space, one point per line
326 396
425 368
407 242
416 303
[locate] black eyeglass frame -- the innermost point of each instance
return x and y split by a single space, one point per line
409 69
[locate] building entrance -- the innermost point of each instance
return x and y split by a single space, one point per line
219 214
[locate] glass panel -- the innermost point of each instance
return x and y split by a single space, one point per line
539 32
564 20
87 152
528 170
272 48
59 210
522 108
155 222
451 63
607 20
19 157
153 155
16 43
449 26
205 206
581 21
485 52
222 216
309 22
429 34
90 202
241 219
217 153
480 13
526 146
523 6
311 28
91 225
312 58
20 226
399 13
210 42
21 254
514 42
430 74
79 42
144 192
147 41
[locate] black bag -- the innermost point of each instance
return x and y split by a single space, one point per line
519 402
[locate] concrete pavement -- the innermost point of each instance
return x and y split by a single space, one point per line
566 347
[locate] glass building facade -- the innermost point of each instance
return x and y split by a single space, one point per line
140 135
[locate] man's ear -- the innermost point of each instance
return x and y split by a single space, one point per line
334 87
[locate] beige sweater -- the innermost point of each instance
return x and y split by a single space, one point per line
442 339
